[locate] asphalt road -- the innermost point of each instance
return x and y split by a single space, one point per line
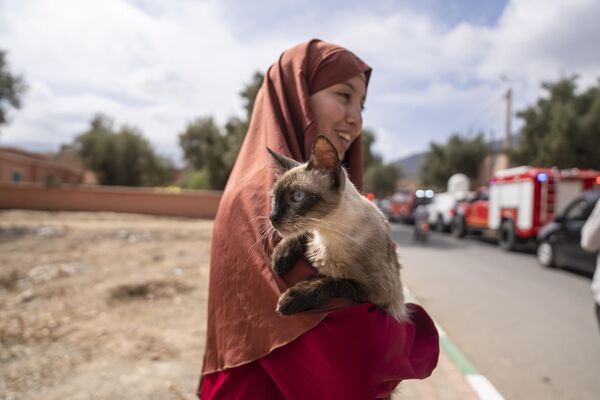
531 331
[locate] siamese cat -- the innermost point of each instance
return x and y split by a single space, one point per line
320 214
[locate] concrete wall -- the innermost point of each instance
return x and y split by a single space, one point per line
33 196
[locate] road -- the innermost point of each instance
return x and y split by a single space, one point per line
531 331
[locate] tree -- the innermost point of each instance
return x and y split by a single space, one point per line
562 129
369 157
236 128
379 178
12 89
210 151
203 148
250 92
459 155
123 158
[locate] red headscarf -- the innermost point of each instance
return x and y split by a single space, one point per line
243 291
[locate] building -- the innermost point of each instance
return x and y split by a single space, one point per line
17 165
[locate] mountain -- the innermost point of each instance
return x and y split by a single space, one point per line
411 165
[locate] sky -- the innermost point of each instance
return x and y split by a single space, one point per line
439 66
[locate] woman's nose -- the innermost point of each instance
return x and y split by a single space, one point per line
354 115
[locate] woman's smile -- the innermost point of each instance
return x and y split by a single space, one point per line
345 137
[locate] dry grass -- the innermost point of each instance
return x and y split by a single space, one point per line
101 305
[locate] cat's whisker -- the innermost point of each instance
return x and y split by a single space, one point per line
264 230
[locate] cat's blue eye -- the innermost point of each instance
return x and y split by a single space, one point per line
298 195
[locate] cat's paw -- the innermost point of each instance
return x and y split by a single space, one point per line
292 301
285 256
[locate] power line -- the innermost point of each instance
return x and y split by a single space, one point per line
483 111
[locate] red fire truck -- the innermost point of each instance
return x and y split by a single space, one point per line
520 201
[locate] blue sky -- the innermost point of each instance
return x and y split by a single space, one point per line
438 65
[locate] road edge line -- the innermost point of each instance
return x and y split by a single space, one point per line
482 386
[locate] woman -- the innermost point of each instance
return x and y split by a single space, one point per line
342 351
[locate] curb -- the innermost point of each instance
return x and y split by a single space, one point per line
480 384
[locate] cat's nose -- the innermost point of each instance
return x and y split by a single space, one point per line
275 216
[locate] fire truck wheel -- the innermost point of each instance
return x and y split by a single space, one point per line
507 236
545 255
459 229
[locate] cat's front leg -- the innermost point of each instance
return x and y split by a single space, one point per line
315 292
287 253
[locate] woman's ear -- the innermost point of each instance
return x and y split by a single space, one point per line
324 157
283 162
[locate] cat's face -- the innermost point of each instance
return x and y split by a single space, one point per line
306 193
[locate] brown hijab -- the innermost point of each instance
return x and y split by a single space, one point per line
243 291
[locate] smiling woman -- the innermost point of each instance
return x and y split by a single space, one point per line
342 350
338 111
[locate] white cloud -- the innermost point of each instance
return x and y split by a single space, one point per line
157 72
157 65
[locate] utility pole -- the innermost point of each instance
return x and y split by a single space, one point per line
507 144
493 154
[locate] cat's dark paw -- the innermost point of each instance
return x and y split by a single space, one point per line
285 255
289 303
297 298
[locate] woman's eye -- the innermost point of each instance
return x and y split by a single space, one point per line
345 95
298 195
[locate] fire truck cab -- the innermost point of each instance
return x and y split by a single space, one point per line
471 214
523 199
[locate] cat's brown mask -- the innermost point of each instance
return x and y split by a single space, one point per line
306 192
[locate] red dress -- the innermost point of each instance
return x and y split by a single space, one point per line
357 353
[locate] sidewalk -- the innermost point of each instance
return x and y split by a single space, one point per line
446 383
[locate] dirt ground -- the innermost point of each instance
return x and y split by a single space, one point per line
101 305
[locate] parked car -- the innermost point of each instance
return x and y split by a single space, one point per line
559 240
403 204
384 206
441 210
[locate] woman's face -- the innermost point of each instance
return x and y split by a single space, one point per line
338 111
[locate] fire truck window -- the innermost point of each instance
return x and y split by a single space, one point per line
578 211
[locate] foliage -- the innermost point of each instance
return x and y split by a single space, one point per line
203 148
121 157
459 155
212 150
562 129
379 178
250 92
12 88
192 179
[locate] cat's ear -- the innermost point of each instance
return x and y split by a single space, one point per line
324 157
282 161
